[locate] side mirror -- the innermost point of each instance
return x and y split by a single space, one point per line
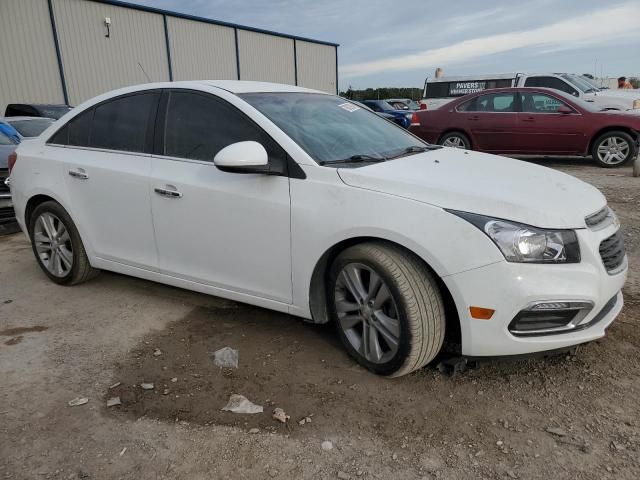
243 157
564 109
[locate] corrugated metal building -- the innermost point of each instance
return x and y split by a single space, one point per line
66 51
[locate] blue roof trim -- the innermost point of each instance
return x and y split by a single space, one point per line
118 3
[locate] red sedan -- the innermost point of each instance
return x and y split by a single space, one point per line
531 121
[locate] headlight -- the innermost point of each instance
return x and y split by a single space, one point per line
526 244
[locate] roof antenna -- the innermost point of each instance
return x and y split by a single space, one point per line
145 73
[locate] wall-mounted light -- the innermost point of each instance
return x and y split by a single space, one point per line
107 23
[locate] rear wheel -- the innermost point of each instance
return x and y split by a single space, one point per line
387 307
613 149
57 245
455 140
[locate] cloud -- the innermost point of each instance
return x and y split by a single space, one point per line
607 25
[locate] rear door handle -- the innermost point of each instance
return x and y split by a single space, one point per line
170 192
529 119
475 117
79 173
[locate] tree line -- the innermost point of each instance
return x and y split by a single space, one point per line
382 93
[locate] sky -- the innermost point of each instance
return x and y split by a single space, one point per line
400 43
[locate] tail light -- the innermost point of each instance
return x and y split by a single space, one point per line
11 160
415 120
423 106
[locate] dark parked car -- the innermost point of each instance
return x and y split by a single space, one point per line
7 145
27 127
402 118
531 121
36 110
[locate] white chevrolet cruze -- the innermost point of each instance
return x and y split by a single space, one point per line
305 203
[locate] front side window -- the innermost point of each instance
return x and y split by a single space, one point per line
540 103
551 82
493 103
331 128
122 123
198 126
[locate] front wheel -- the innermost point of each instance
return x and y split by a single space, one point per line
387 307
57 245
613 149
455 140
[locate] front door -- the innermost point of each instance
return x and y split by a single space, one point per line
227 230
544 129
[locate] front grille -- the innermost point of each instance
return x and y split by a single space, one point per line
596 220
7 215
3 176
612 252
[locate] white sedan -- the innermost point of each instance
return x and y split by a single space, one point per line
302 202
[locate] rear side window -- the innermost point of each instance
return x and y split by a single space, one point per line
495 103
198 126
122 124
551 82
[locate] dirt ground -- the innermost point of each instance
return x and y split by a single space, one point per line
567 417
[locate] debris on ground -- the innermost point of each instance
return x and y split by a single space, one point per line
113 401
115 385
78 401
280 415
326 445
343 475
240 404
123 450
226 358
157 352
174 380
254 430
147 386
557 431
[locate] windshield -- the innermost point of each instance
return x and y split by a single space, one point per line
32 127
330 128
580 83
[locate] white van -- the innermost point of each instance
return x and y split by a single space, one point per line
439 91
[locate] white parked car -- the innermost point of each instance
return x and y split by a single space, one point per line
304 203
439 91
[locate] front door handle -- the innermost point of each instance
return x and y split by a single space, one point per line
79 173
474 118
169 192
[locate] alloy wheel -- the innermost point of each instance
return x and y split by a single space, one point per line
613 150
454 142
367 313
53 244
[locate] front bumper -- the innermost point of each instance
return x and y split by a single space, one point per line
508 288
7 213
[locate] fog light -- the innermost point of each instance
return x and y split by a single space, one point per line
543 318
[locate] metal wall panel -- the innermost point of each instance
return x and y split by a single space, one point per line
28 66
94 64
201 50
266 58
316 66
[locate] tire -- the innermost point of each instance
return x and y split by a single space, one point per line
455 140
614 149
413 312
54 235
636 167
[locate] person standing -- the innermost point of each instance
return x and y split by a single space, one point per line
624 84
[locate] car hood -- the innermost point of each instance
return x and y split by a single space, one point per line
484 184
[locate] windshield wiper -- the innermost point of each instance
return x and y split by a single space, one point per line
354 159
417 149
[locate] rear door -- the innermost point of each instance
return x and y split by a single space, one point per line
107 163
543 129
491 120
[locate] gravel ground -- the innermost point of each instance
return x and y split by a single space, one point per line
567 417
